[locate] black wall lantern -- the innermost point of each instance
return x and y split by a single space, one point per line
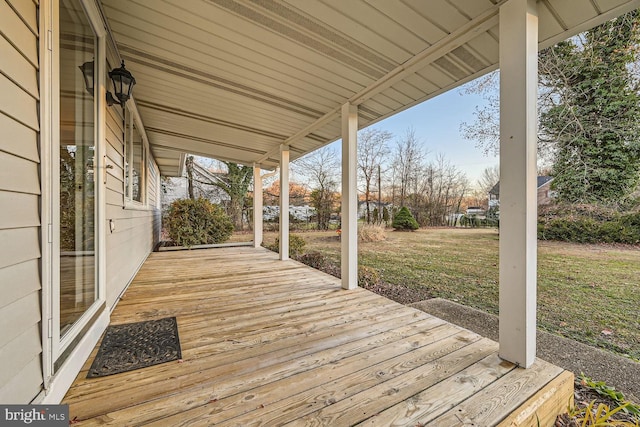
123 83
87 73
122 79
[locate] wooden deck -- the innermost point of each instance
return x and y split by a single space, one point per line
267 342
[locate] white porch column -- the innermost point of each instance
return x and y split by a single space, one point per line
257 206
284 202
349 213
518 175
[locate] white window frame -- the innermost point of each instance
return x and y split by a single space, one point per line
131 118
57 382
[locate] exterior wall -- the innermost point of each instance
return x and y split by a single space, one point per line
135 229
544 194
20 344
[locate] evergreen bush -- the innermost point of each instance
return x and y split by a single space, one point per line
190 222
385 215
403 220
588 224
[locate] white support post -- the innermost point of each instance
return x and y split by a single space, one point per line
349 213
284 202
518 176
257 206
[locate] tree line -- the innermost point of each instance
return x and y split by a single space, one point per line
393 171
589 138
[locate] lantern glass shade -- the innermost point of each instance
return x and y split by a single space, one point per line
123 83
88 72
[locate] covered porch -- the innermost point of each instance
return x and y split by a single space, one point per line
263 83
270 342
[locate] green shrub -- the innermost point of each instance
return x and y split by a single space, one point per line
403 220
197 222
588 224
296 245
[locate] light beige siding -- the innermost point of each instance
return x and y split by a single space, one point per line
20 283
136 228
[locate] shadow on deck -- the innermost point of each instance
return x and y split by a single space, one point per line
266 342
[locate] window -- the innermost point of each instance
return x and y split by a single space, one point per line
135 161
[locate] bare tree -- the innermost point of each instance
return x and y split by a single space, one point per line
200 176
489 178
321 168
441 190
372 151
485 129
408 165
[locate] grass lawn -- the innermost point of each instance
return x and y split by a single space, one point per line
583 290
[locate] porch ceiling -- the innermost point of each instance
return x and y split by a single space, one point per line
235 79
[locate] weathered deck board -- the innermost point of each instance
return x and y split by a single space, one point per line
267 342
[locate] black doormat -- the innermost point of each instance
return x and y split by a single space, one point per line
136 345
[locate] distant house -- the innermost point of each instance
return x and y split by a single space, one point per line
545 193
476 211
362 208
300 213
178 187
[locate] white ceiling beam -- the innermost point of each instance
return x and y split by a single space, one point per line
267 166
587 25
469 31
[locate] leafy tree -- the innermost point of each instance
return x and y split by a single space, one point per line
403 220
595 113
589 111
236 184
203 181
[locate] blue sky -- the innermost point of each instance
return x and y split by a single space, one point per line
437 123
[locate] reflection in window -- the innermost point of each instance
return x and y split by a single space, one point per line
134 162
77 157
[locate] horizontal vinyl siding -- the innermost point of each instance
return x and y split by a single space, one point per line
20 187
134 235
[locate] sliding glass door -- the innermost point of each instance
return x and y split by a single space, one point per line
78 289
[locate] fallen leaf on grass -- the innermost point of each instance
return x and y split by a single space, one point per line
607 332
